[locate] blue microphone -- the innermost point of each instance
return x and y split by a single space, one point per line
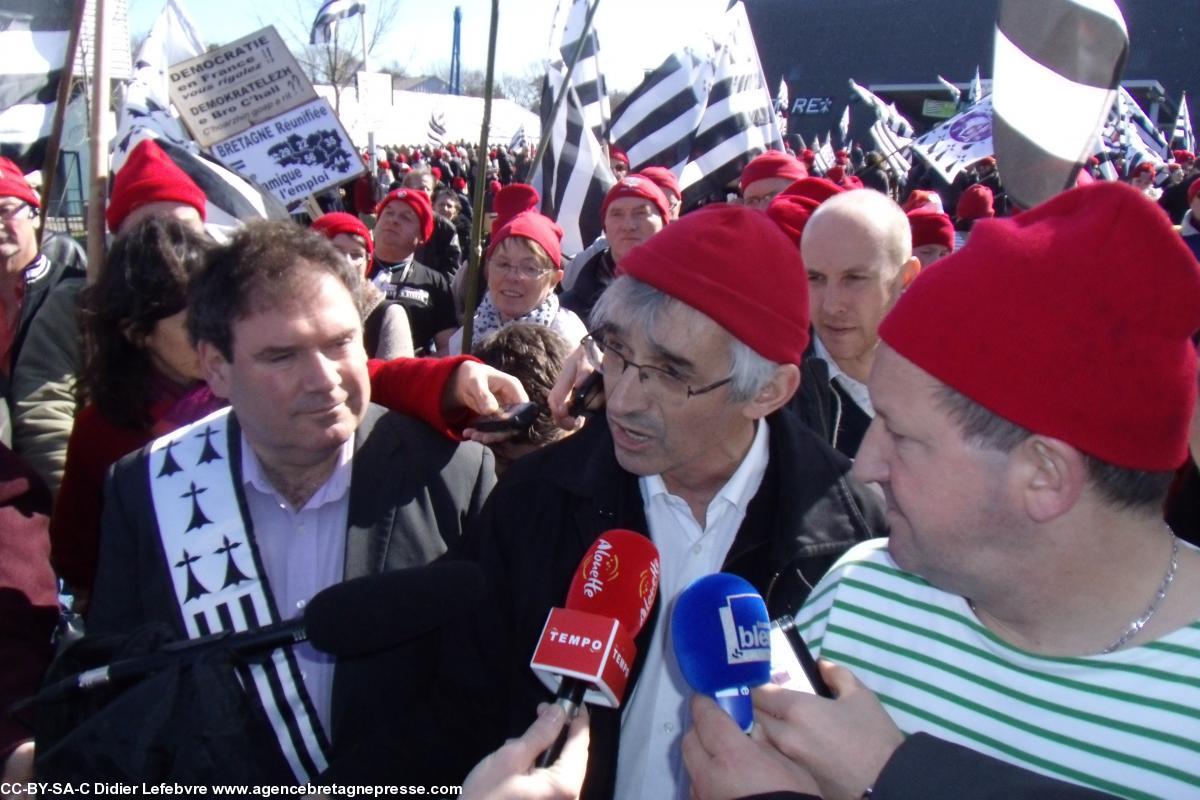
722 637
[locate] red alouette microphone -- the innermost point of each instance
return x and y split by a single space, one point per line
586 649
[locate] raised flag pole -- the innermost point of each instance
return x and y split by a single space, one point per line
475 265
99 148
547 130
50 162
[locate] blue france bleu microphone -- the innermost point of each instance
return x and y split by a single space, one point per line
722 637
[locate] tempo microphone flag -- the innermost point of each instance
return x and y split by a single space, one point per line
1074 52
33 53
324 27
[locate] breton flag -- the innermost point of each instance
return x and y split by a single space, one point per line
781 103
890 131
959 141
1182 136
1131 134
519 140
437 127
844 125
1073 51
33 52
333 11
587 79
975 92
703 113
825 157
147 114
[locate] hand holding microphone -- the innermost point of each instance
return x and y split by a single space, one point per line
586 649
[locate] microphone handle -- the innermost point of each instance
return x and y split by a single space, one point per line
570 699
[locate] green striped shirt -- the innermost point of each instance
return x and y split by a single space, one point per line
1127 723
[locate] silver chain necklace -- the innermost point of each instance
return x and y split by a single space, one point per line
1136 626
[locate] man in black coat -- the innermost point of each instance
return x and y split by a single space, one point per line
698 359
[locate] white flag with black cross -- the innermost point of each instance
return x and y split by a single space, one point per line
1056 71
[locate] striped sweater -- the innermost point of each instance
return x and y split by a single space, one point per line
1127 723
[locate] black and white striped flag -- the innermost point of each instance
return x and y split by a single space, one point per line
324 27
890 131
975 91
147 114
823 155
33 51
437 127
1073 51
954 91
587 79
704 113
1182 137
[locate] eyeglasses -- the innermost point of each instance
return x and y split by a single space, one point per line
19 211
526 271
660 384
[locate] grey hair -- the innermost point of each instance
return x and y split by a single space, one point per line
632 304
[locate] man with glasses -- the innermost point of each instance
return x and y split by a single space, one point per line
698 356
767 175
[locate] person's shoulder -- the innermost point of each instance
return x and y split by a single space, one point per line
428 276
383 428
568 463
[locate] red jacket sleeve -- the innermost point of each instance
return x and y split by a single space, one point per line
414 386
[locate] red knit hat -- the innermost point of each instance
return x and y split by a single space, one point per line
638 186
792 207
494 187
418 201
13 184
436 172
459 183
701 260
841 157
331 224
975 203
617 154
930 227
512 200
1183 156
150 176
772 164
923 197
836 173
851 182
808 157
1041 319
664 179
535 227
1143 168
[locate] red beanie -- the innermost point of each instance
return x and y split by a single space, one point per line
975 202
1192 189
512 200
436 172
850 182
930 227
920 198
701 260
637 186
664 179
1183 156
418 201
494 187
13 184
150 176
1142 168
792 207
535 227
841 157
459 183
331 224
617 154
772 164
836 173
1041 319
808 157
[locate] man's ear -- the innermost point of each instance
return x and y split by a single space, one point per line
1052 476
215 368
784 382
909 272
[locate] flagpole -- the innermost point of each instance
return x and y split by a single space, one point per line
474 267
50 162
99 148
547 130
363 19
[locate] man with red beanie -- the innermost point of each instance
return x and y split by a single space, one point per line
1033 402
405 220
633 210
932 234
441 249
975 203
618 161
698 356
767 175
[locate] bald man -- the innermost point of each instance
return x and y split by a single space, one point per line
857 249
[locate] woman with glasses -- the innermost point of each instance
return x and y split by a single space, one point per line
524 266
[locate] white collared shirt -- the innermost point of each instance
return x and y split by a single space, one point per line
857 390
303 551
657 714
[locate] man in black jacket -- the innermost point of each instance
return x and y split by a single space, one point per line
698 359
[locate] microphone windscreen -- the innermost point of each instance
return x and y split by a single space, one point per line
617 578
377 612
722 634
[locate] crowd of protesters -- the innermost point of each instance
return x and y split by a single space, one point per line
954 438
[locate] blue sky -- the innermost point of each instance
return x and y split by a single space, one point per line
635 35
